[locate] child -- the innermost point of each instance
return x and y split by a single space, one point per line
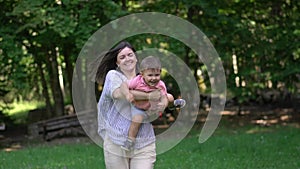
148 80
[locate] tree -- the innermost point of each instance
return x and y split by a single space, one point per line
256 40
51 34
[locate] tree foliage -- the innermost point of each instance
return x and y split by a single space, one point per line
258 42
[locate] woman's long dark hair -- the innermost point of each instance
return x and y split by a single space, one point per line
109 61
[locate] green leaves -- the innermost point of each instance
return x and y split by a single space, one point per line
264 36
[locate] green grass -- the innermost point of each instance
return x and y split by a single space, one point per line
248 147
71 156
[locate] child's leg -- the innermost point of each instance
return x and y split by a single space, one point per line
136 120
179 103
170 99
134 126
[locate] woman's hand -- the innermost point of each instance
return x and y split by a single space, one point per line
154 95
161 106
157 107
130 97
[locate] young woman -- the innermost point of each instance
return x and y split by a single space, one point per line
114 112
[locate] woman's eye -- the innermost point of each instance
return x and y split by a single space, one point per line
122 57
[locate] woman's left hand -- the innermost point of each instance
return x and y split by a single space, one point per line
160 106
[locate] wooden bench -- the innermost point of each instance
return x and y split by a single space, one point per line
67 125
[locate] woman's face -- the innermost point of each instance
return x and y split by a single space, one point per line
126 60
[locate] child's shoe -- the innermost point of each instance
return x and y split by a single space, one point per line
179 103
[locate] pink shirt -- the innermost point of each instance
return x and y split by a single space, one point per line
138 83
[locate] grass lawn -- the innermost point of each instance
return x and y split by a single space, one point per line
248 147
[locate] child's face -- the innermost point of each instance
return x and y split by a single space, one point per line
151 76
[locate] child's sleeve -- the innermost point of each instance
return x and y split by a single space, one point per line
163 88
132 83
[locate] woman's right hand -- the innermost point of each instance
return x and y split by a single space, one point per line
130 97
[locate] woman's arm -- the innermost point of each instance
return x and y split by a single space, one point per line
139 95
117 94
123 92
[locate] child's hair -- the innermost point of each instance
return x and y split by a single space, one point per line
150 62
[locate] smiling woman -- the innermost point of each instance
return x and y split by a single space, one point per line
111 62
114 112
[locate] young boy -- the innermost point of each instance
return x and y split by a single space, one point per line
148 80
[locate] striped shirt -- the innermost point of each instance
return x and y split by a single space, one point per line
114 115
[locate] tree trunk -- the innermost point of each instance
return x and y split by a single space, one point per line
69 67
192 11
44 89
55 86
124 6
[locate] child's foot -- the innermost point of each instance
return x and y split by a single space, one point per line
179 103
127 146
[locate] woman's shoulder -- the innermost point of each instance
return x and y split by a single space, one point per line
114 74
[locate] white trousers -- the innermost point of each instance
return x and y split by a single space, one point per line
117 158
